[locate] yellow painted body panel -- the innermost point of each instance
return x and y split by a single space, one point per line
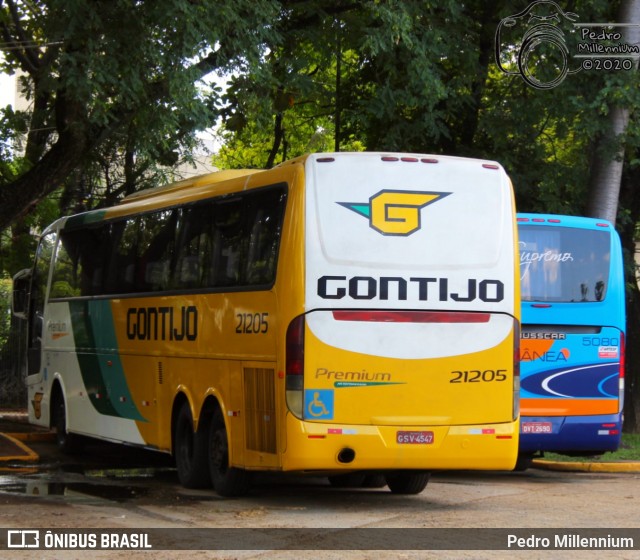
315 446
367 389
158 367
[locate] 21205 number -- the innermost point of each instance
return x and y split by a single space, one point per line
477 376
252 323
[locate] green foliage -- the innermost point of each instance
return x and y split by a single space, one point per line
5 309
116 88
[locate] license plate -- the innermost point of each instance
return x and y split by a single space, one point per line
414 437
536 428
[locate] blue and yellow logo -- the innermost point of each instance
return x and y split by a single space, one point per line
395 212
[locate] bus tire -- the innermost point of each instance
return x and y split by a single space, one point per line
227 481
374 480
67 443
191 451
407 482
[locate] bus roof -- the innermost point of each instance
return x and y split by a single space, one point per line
562 220
227 181
206 179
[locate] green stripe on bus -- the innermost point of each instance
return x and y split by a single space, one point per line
100 364
85 218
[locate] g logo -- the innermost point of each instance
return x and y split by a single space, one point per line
395 212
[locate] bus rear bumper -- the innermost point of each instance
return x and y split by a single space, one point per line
570 434
332 447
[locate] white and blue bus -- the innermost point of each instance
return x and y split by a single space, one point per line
572 337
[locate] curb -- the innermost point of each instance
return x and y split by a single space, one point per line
575 466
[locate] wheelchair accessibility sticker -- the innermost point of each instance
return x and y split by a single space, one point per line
318 404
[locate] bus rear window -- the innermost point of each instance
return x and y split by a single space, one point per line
559 264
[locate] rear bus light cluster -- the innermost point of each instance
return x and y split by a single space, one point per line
408 159
621 374
294 379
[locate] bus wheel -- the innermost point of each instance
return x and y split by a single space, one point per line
349 480
191 451
227 481
407 482
373 480
67 443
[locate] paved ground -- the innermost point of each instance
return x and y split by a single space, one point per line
16 434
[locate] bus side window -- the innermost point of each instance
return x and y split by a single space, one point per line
229 221
264 238
80 262
39 281
193 247
65 282
120 274
155 248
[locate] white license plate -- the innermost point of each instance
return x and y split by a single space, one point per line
414 437
536 428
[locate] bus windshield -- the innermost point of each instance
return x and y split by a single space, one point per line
564 264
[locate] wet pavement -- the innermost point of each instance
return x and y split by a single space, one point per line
31 464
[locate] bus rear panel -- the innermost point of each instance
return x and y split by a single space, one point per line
573 332
404 354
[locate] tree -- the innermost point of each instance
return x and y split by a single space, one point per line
382 74
97 70
617 137
606 173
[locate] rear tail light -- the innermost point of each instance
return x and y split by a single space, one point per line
382 316
294 378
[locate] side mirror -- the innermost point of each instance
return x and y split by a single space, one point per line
20 298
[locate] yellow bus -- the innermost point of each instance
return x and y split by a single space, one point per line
349 314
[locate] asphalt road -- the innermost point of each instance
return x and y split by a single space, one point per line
112 487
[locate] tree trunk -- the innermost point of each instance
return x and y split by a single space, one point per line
18 197
278 135
606 172
631 203
604 193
